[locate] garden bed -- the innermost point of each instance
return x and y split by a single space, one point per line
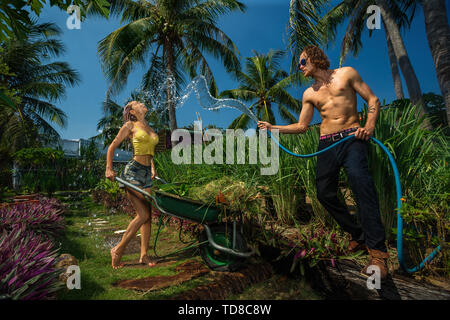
341 279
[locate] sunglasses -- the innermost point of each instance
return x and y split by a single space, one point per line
302 63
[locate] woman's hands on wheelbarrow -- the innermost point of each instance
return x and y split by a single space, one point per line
110 174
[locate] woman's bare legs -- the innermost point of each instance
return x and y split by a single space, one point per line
146 230
142 216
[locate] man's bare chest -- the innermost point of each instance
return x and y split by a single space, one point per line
331 93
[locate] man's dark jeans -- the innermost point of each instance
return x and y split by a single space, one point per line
352 155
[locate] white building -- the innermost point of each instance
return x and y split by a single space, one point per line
72 148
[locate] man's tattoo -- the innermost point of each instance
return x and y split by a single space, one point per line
372 109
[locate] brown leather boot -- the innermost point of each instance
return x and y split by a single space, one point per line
377 258
355 246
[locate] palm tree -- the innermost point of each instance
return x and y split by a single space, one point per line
398 87
412 84
266 83
438 34
16 19
304 15
110 124
35 83
180 32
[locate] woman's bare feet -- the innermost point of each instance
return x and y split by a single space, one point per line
116 259
147 260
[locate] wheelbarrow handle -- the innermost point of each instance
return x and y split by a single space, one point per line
132 186
145 193
225 249
161 180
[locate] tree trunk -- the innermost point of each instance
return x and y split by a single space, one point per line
170 66
394 68
438 34
414 91
344 281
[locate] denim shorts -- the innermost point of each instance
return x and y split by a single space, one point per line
137 174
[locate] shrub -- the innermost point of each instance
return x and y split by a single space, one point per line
27 265
27 253
45 217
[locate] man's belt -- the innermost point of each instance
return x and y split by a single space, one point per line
333 137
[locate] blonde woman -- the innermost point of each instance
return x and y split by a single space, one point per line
140 171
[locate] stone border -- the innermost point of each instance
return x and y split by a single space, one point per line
228 283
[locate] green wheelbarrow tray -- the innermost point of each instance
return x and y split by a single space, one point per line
187 209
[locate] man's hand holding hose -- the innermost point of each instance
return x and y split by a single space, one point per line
263 125
363 133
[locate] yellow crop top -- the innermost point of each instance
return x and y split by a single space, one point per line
143 143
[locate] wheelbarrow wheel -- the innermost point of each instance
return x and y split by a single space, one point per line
218 260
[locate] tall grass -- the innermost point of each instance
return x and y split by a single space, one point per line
285 191
306 168
421 157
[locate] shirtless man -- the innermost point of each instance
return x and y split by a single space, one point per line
333 94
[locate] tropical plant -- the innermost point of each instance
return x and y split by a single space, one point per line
436 108
317 243
179 33
45 217
427 226
35 157
28 255
419 154
37 84
265 82
304 15
16 21
27 265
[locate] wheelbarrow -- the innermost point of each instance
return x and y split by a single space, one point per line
222 246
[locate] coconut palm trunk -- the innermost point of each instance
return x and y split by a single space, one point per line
398 87
412 84
170 65
438 34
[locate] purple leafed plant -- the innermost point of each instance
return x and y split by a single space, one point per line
45 217
27 265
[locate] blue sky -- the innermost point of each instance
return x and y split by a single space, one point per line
262 27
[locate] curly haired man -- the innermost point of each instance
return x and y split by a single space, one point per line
333 94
